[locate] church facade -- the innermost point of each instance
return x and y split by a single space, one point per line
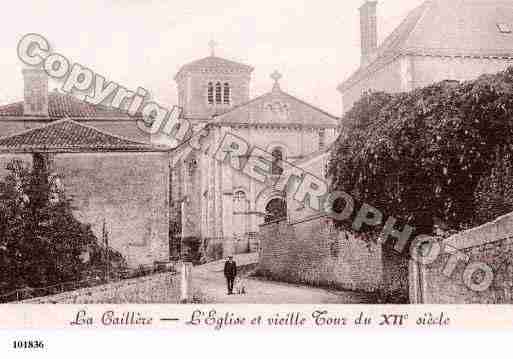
212 203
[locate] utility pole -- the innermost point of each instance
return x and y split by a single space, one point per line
105 239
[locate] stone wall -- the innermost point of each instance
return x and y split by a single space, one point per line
492 244
314 252
296 210
127 191
395 285
158 288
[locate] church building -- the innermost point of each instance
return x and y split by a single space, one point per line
212 203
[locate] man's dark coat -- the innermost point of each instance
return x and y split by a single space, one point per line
230 269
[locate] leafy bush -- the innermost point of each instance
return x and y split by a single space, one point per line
420 156
494 193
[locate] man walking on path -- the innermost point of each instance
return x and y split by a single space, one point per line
230 272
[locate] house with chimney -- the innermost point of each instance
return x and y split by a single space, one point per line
438 40
117 180
41 106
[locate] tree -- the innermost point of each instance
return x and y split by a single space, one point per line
494 193
41 241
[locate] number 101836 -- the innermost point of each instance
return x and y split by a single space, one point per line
28 344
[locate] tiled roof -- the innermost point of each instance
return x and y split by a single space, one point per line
214 64
446 28
277 108
70 136
66 106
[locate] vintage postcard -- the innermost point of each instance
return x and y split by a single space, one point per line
224 165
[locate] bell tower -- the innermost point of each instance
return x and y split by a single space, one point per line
212 85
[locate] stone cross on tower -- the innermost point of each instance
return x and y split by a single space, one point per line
212 44
276 76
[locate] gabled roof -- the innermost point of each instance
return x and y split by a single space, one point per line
66 135
277 108
446 28
66 106
214 64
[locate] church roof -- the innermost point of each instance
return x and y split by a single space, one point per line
66 106
277 108
66 135
214 64
476 28
311 156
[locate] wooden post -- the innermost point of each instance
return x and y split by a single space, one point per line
185 281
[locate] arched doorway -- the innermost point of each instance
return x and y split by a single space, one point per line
275 209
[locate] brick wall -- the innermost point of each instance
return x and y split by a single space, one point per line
314 252
492 244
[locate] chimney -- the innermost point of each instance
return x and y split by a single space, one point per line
368 30
35 92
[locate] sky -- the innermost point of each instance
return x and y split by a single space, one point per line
315 45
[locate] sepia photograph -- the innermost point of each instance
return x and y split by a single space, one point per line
200 153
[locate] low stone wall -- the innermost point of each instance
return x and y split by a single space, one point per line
314 252
157 288
492 244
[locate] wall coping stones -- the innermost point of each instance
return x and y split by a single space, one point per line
89 291
497 230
